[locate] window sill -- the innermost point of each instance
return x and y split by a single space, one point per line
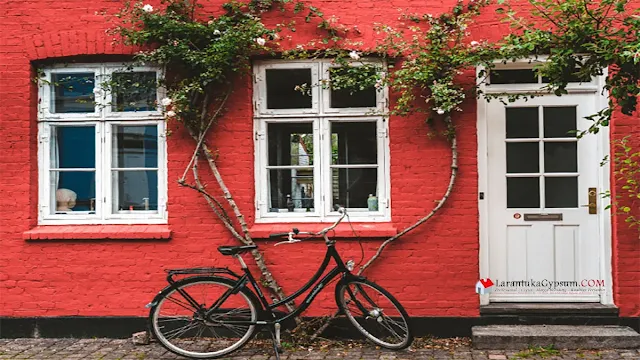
98 232
371 230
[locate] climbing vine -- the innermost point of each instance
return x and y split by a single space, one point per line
431 61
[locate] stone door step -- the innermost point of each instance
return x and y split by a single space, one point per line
518 337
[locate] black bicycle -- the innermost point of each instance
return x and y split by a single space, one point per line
213 312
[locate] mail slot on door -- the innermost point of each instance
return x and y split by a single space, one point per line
543 217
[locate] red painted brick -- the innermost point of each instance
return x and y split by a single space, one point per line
38 276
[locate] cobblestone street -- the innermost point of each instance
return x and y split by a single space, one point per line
124 349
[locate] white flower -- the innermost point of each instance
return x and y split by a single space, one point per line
354 55
475 43
378 84
166 102
170 114
261 41
147 8
440 111
299 47
210 22
216 32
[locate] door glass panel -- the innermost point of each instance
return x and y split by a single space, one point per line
561 157
363 96
516 76
284 88
522 157
523 192
561 192
522 122
559 121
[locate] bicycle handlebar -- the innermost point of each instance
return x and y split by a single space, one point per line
295 231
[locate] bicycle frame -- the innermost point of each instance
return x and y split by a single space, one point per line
267 308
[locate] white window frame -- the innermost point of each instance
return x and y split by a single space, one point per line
320 116
103 119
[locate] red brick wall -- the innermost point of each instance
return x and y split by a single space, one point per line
432 271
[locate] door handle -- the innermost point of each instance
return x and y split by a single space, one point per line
592 196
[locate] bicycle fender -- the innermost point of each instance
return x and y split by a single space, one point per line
347 277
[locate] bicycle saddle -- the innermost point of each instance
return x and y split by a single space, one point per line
235 250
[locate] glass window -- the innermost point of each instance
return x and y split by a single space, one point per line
104 165
311 163
72 92
73 169
288 88
134 91
291 181
135 168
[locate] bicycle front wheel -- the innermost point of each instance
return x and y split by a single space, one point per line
201 318
375 313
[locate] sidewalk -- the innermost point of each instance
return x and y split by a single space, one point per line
124 349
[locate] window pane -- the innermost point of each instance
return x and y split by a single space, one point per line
561 157
523 192
561 192
354 143
526 76
135 190
73 92
559 121
522 158
522 122
290 144
353 97
291 190
135 146
351 188
282 92
134 91
73 147
72 191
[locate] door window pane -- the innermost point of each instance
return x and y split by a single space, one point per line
73 92
522 157
134 91
290 144
559 122
522 122
517 76
523 192
72 147
283 88
291 190
354 143
561 157
561 192
351 188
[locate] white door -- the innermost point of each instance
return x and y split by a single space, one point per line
543 236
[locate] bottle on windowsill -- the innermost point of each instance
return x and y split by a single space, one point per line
290 205
372 203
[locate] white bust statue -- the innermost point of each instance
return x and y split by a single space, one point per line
65 199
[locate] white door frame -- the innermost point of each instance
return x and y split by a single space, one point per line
603 150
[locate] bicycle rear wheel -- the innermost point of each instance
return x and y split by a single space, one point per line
180 322
375 313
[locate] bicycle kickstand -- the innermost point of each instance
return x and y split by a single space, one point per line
275 337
